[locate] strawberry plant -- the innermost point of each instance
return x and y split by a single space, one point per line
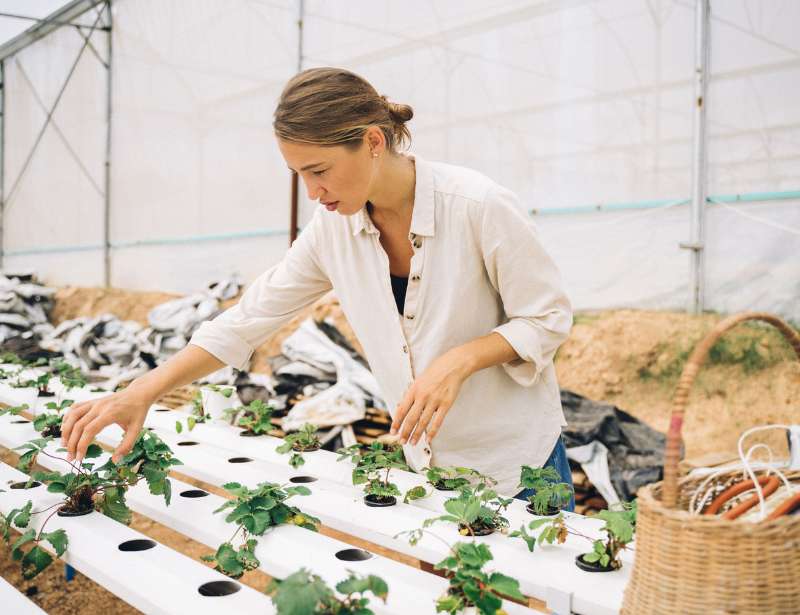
370 464
470 585
255 418
197 415
35 559
71 377
303 441
619 527
304 593
254 512
550 493
477 511
85 489
452 478
40 383
49 424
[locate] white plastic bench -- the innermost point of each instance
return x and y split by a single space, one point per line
156 580
15 602
281 552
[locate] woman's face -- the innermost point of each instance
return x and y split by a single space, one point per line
338 177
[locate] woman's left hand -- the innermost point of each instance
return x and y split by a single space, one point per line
430 396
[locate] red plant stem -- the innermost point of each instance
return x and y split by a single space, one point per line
41 529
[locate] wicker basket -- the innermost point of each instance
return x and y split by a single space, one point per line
701 563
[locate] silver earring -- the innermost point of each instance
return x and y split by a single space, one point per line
374 154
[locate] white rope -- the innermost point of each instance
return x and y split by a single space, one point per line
764 221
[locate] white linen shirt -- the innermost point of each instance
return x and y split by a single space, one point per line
477 267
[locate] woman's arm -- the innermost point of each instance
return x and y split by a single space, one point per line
539 317
273 299
430 396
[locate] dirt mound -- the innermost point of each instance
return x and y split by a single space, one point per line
633 359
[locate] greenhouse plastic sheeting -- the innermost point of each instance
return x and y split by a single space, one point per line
567 103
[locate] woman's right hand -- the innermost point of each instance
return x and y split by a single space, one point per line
82 422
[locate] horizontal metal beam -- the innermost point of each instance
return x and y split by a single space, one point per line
752 197
43 27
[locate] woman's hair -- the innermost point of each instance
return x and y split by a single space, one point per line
332 106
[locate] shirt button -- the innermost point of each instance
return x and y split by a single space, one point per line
418 243
405 349
415 278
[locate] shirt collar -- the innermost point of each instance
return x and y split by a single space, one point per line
422 218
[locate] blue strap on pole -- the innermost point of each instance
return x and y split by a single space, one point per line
69 572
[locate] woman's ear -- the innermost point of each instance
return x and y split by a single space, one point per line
375 140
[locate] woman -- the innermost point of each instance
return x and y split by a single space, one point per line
455 302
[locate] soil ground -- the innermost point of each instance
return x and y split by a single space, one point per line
630 358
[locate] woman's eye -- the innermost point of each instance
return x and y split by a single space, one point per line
318 173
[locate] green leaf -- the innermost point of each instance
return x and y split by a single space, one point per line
178 426
58 539
35 560
93 451
505 585
25 538
415 493
300 593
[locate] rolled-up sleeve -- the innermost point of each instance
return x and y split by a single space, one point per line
538 311
273 299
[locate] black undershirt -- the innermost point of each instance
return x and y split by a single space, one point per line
399 286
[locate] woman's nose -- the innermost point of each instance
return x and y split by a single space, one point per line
314 190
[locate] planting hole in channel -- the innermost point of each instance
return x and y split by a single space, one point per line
194 493
20 421
188 443
302 479
239 460
162 409
219 588
139 544
353 555
25 485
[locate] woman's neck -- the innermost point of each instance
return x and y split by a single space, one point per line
393 193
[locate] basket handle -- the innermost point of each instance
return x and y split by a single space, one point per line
672 452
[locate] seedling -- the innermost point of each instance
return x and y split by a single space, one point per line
303 441
470 585
619 526
478 511
551 494
49 424
452 478
371 462
304 593
197 415
254 512
71 377
255 417
85 489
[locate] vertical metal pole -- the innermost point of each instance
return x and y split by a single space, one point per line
696 242
2 159
107 204
295 178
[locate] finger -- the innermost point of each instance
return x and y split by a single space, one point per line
411 420
436 423
423 421
77 432
75 413
131 435
401 410
89 433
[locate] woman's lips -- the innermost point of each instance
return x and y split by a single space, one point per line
331 206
